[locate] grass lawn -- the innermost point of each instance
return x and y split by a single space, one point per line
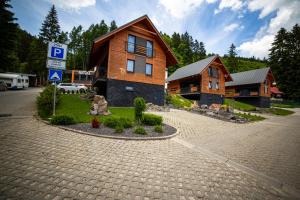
179 102
250 117
279 111
239 105
77 108
286 105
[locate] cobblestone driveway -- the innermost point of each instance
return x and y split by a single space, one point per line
271 146
43 162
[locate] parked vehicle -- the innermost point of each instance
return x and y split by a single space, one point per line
15 81
3 86
71 87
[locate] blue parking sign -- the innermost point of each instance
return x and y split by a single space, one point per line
55 75
57 52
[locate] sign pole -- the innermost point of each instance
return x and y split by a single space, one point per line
54 97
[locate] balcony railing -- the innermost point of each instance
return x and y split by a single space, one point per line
139 49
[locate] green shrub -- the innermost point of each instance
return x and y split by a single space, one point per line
168 98
62 120
119 128
139 107
45 101
151 119
158 128
126 122
140 130
113 122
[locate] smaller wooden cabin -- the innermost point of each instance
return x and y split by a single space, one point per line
252 87
203 81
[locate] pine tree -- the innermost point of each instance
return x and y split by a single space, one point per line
50 28
8 30
113 25
232 60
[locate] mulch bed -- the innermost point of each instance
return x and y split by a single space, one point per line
129 132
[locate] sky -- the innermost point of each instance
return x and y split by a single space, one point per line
249 24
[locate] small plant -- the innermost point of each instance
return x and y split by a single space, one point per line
168 98
45 101
62 120
95 123
158 129
139 107
119 129
140 130
151 119
126 122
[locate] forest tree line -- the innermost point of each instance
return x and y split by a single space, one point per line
26 53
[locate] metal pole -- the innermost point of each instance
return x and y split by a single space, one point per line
54 96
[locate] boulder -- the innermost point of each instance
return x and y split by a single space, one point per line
204 106
99 106
215 106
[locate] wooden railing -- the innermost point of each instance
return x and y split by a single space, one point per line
139 49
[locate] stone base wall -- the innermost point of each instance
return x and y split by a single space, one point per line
122 93
209 99
261 102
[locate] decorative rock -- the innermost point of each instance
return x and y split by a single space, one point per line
215 106
99 106
204 106
156 108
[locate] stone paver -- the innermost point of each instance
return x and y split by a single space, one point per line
271 146
44 162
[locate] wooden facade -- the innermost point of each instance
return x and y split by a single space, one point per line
209 82
135 55
257 93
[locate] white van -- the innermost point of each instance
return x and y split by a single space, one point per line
15 81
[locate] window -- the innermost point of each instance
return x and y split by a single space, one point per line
130 65
209 71
149 49
19 80
26 80
209 84
217 85
131 44
149 69
213 72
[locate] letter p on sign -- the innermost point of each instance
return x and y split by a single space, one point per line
57 52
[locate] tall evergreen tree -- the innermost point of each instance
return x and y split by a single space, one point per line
113 25
284 60
8 30
50 28
232 60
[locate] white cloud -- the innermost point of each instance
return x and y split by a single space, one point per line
73 4
232 4
257 47
231 27
287 15
180 8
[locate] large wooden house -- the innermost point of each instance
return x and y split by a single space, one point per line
252 87
131 61
203 81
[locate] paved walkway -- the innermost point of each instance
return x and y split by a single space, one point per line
43 162
271 147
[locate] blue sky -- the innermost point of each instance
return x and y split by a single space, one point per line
249 24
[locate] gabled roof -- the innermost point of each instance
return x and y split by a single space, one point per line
275 90
171 58
193 69
249 77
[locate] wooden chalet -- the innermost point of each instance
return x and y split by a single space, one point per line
252 87
131 61
203 81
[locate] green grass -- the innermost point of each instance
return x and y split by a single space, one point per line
286 105
180 102
77 108
279 111
250 117
239 105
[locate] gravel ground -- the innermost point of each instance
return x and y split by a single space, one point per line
102 130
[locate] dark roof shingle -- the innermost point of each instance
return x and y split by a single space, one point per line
249 77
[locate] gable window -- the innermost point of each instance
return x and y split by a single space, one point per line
149 46
210 85
130 66
131 44
217 85
210 71
148 69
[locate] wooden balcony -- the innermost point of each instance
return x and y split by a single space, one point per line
139 49
190 90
